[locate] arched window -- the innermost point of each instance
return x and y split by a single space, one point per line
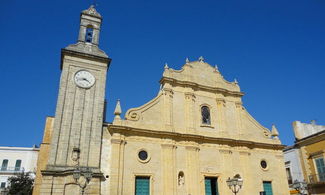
205 112
18 165
89 34
4 165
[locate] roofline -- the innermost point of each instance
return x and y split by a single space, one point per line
310 136
19 148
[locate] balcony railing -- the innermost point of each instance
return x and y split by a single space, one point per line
11 169
317 178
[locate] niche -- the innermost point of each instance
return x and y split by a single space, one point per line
181 178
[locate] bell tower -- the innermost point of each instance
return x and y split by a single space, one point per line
78 123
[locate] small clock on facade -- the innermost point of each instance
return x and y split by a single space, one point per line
84 79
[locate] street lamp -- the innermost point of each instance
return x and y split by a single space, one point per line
235 183
301 187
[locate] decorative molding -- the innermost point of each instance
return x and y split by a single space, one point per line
129 131
190 96
245 153
224 151
221 101
316 154
201 87
195 148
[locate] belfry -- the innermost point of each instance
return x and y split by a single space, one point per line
189 139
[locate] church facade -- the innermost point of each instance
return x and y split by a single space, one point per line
188 140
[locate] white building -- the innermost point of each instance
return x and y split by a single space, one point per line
15 160
293 164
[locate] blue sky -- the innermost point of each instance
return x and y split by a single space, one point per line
275 49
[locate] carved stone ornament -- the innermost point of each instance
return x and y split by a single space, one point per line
75 154
91 11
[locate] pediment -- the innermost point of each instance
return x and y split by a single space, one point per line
177 107
200 74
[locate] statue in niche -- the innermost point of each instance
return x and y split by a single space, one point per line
75 156
181 178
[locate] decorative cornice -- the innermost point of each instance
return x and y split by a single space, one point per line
201 87
223 151
68 170
84 55
129 131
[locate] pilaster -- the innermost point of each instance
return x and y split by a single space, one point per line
192 167
221 123
190 112
239 109
117 164
168 169
168 109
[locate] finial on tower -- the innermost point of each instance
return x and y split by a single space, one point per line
187 60
274 131
235 81
166 66
201 59
216 67
118 110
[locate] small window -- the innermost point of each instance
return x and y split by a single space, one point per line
142 185
89 34
3 185
320 165
18 164
4 165
143 155
205 112
289 177
263 164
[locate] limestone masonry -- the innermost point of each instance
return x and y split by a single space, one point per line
188 140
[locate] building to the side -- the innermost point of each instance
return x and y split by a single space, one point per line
310 141
16 160
293 167
189 139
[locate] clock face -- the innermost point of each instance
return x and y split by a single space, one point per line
84 79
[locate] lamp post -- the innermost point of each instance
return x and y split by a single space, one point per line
87 174
300 186
235 183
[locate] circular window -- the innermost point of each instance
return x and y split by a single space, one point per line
263 164
143 155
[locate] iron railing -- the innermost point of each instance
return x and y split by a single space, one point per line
11 169
317 178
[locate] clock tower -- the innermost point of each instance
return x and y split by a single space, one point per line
78 123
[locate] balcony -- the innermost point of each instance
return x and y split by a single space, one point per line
317 179
11 169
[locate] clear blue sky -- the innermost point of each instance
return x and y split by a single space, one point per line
275 49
